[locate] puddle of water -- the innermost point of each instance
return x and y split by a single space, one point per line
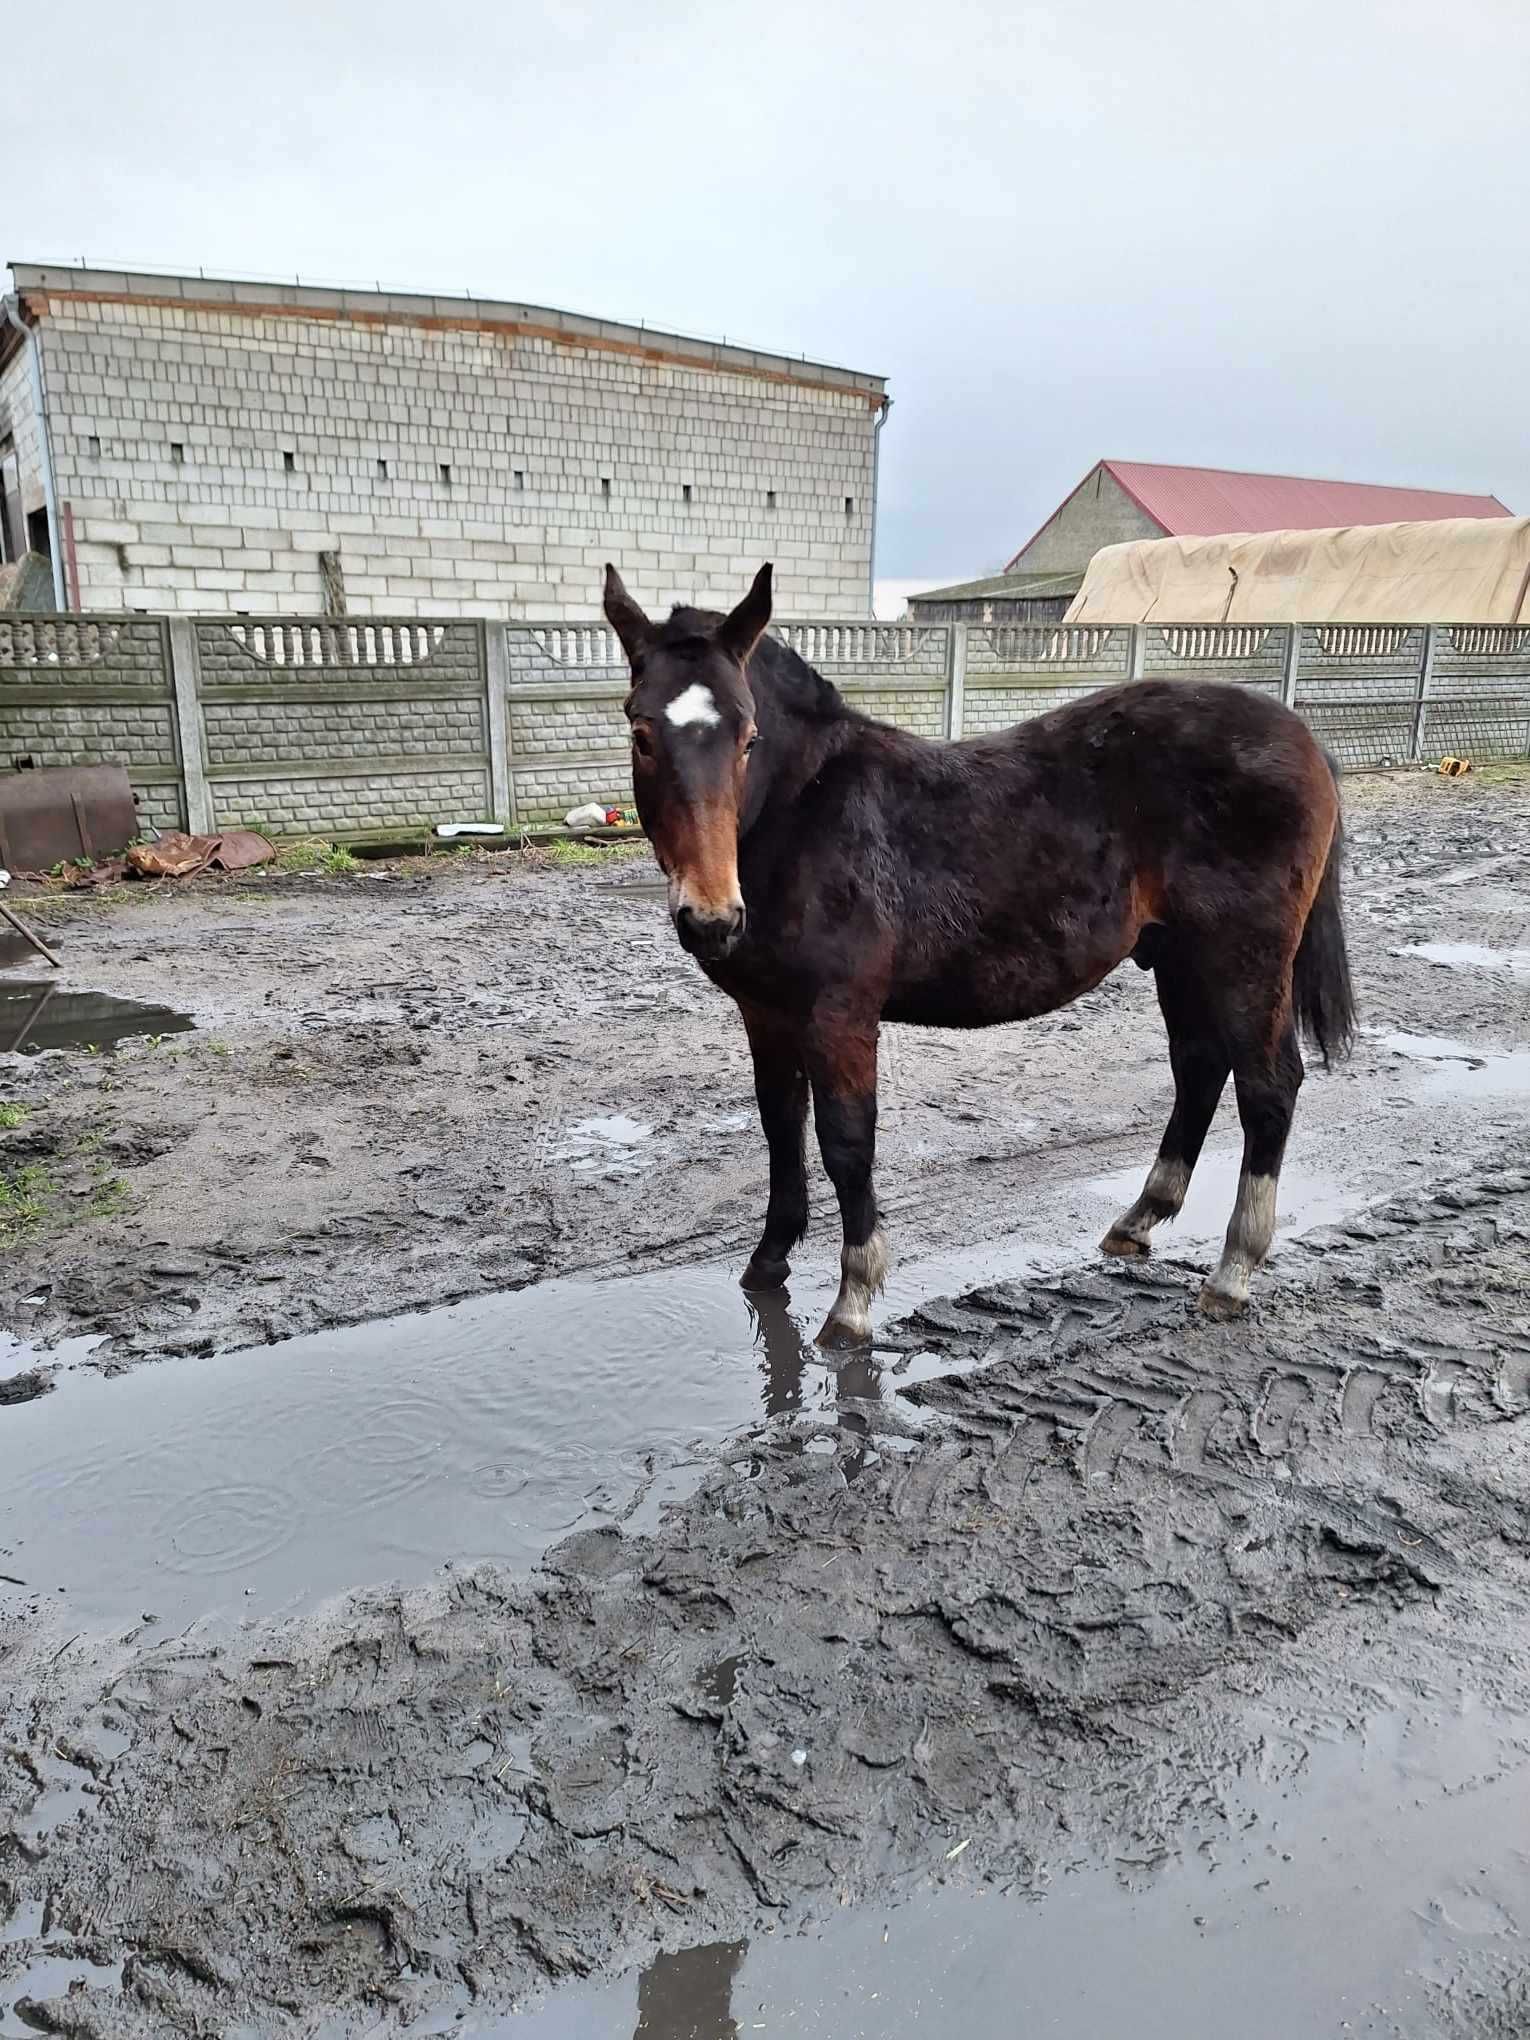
644 889
1465 1068
15 948
1472 956
1306 1200
1332 1900
275 1478
611 1144
34 1015
24 1922
483 1430
49 1977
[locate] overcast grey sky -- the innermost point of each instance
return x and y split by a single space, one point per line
1285 236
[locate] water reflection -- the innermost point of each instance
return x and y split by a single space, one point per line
789 1355
20 1005
689 1996
786 1355
34 1015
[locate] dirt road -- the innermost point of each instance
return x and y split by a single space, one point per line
1051 1587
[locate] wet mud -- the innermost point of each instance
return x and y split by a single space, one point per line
410 1088
1067 1658
1139 1573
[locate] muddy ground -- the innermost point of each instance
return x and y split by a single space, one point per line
1044 1609
419 1085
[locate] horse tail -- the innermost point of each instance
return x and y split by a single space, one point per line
1321 990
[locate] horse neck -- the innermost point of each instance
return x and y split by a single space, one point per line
798 744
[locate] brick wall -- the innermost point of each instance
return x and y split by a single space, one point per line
460 463
19 420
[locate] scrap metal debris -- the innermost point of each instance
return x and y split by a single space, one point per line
177 855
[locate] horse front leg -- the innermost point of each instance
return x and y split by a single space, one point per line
842 1067
781 1092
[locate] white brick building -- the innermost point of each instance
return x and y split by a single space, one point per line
226 447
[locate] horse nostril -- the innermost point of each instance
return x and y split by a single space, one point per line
709 934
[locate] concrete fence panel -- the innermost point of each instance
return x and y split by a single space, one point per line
1017 670
1477 704
305 725
1359 686
897 672
323 728
83 691
1239 654
567 733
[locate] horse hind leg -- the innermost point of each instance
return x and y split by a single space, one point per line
1267 1084
1200 1066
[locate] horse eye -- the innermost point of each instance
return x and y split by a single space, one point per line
642 742
750 745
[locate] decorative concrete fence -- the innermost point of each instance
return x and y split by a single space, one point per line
374 727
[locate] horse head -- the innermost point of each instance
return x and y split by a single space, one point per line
691 712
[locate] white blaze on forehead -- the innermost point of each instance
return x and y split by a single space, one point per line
695 707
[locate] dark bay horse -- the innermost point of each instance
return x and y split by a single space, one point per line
830 872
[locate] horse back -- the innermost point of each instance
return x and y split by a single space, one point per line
1183 773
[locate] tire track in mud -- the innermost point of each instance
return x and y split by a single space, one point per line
1042 1630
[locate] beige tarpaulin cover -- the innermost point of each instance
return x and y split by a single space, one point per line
1457 570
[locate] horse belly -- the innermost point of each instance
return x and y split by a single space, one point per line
989 991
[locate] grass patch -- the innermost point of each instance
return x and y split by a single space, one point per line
110 1198
313 853
26 1199
572 854
1500 772
12 1116
65 905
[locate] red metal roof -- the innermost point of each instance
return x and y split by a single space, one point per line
1196 502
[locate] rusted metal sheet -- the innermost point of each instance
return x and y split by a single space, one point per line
59 812
177 855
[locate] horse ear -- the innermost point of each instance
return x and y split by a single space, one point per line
742 630
625 618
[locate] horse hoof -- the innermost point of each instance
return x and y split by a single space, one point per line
840 1334
1216 1303
1122 1247
765 1275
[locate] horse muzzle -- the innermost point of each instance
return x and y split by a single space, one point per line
712 934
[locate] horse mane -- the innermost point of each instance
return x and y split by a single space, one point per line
798 687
